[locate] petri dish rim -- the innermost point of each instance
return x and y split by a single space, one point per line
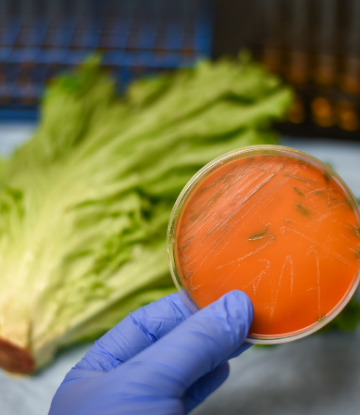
210 168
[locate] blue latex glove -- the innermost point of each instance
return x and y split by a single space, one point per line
162 359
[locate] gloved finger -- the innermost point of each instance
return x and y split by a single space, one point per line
241 349
202 342
135 333
205 386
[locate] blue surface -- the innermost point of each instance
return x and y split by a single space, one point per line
318 375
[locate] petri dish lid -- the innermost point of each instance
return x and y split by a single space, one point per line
275 223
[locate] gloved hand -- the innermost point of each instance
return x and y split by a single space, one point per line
162 359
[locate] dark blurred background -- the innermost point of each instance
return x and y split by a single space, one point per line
314 45
41 38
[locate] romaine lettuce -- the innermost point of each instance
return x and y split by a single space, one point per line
84 204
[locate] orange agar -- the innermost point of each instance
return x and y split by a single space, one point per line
276 227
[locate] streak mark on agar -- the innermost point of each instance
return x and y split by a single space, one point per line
256 280
262 184
288 260
342 259
313 250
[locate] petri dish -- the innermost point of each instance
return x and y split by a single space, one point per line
275 223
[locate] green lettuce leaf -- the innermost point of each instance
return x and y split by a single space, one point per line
85 206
